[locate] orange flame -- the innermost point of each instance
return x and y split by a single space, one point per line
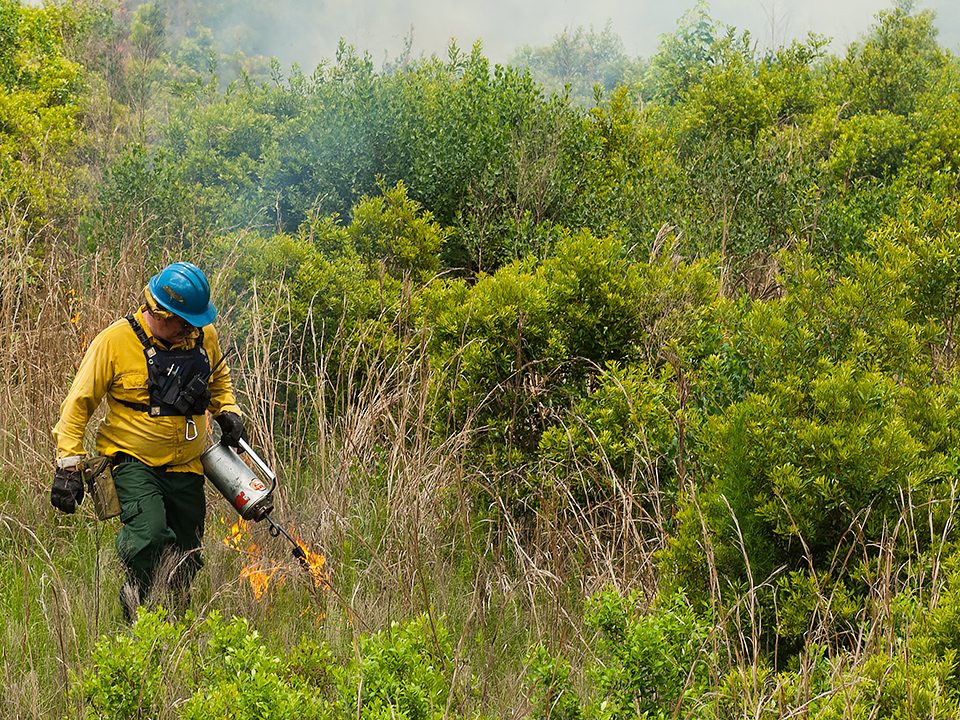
238 530
262 576
315 563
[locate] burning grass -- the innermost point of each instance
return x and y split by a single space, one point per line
263 573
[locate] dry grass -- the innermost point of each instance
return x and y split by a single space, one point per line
391 503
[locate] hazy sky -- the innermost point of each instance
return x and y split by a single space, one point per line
380 26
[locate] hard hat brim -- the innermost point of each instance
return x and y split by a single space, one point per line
197 320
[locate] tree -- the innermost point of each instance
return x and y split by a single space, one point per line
40 105
682 56
578 61
893 66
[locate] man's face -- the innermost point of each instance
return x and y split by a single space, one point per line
172 329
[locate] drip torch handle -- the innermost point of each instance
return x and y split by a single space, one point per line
245 446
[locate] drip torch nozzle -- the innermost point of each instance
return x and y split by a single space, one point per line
301 555
298 551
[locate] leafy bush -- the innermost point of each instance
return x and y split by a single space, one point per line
126 675
40 109
240 679
811 467
402 671
550 690
392 229
651 665
218 668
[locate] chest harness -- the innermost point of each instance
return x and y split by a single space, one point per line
177 380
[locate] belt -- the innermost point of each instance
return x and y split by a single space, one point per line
122 457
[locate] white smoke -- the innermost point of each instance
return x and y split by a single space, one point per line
307 32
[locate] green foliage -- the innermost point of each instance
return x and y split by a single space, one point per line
220 668
40 106
519 343
402 672
651 665
550 689
579 61
486 337
625 428
216 668
869 146
467 140
393 230
126 672
139 197
241 680
928 231
811 466
635 183
892 67
329 277
683 56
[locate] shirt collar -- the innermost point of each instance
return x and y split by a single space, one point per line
188 342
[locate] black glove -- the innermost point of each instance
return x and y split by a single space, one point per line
231 429
67 491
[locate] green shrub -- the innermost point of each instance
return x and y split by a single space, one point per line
548 684
401 672
624 431
41 91
128 674
652 665
394 230
212 669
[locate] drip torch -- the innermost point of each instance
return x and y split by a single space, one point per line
243 488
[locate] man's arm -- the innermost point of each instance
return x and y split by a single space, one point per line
222 398
90 384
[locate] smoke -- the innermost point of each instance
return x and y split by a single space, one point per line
307 32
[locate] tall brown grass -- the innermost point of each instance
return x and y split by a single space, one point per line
366 478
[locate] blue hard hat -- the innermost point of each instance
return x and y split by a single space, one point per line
183 289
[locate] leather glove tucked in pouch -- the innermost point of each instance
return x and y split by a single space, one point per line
67 491
231 429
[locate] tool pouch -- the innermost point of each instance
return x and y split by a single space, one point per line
97 474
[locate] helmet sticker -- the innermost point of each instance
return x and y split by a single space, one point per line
173 294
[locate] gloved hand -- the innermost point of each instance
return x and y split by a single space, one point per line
231 429
67 491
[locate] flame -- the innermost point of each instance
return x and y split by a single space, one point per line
261 575
261 578
315 563
235 539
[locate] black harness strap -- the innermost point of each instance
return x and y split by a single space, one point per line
141 335
150 352
140 407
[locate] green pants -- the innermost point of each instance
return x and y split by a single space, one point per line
161 511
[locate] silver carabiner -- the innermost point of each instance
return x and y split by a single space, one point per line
191 424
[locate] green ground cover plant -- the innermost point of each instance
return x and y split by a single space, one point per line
636 402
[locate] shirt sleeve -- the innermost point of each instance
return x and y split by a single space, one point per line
222 398
90 384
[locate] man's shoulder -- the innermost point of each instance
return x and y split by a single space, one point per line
120 325
119 329
209 331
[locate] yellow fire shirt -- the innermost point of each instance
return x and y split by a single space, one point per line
114 366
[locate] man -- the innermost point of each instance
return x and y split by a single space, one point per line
161 370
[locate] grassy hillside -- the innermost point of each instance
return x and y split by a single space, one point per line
648 407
